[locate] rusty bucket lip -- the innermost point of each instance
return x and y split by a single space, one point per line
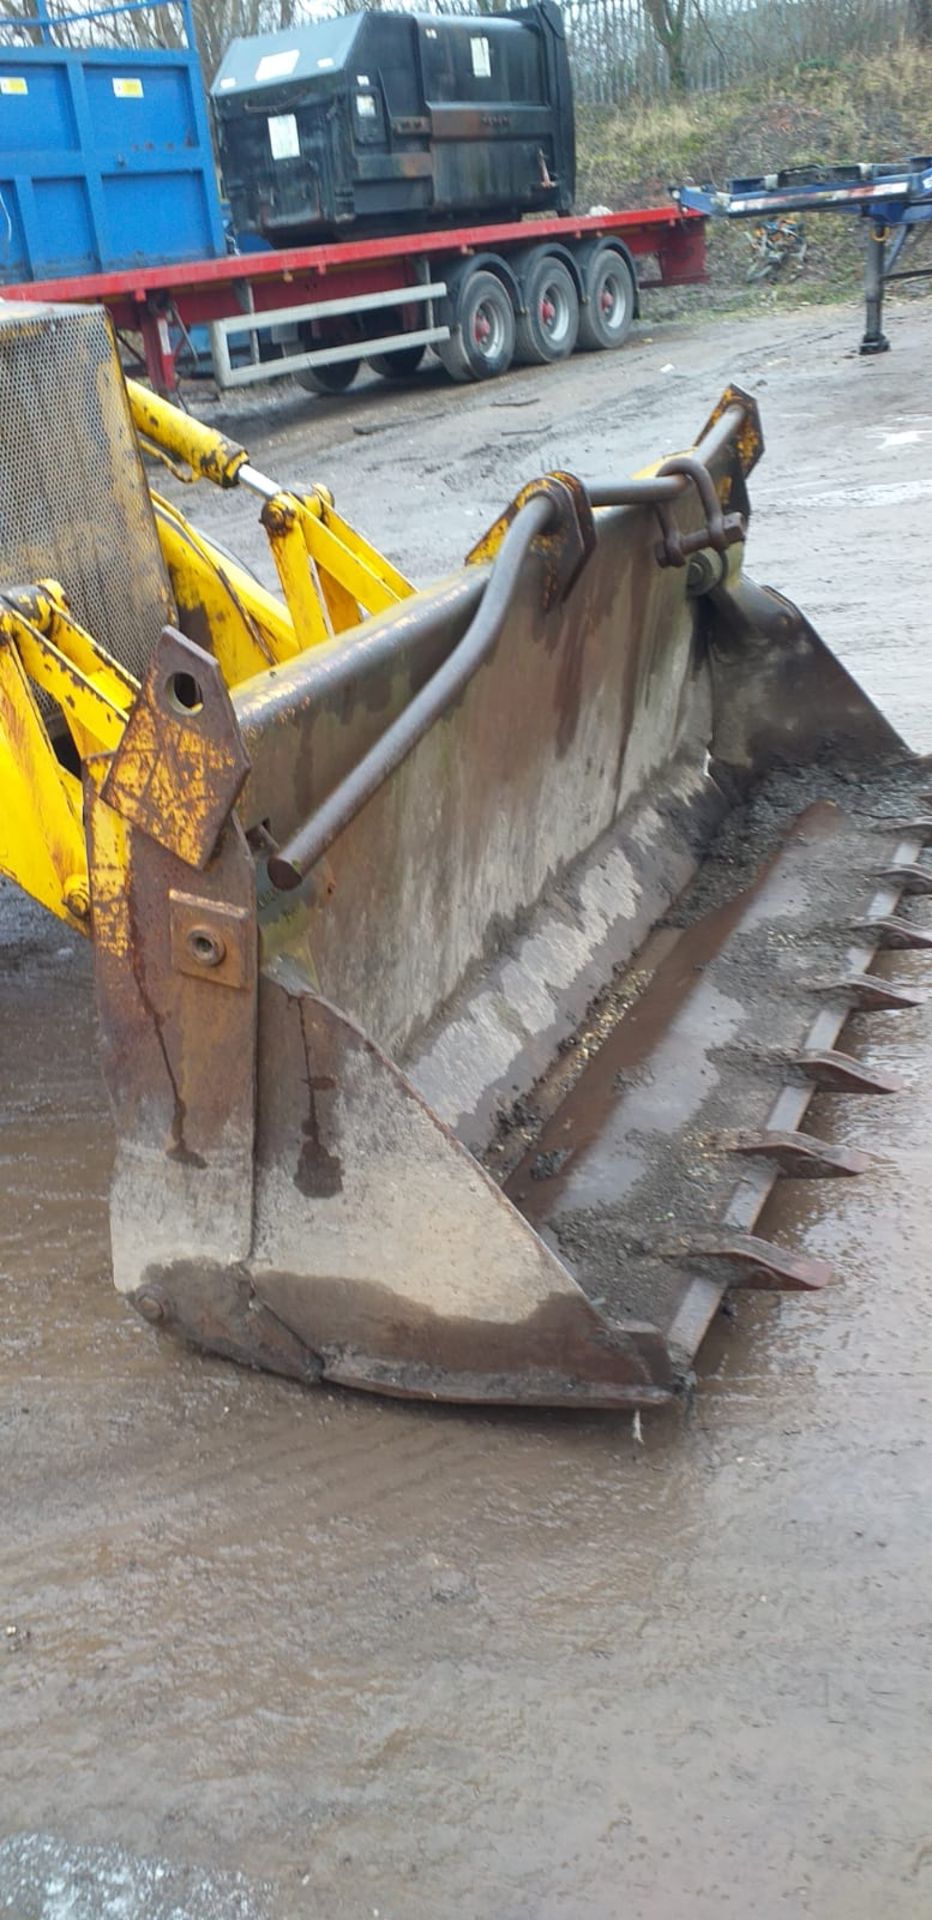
728 1254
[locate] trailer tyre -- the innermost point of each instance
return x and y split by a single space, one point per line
332 379
548 330
398 365
605 319
483 341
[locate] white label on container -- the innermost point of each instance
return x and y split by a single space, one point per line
13 83
227 82
277 66
481 57
128 88
362 79
327 62
283 136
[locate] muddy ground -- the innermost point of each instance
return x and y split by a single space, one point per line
270 1653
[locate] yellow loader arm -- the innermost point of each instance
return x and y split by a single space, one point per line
330 579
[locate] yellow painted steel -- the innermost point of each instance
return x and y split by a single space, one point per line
94 711
330 575
300 583
168 432
395 583
330 578
41 837
41 834
220 605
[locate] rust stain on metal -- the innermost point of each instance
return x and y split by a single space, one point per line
180 764
749 434
566 544
211 939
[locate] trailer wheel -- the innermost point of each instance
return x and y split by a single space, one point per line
605 319
398 365
332 379
548 330
483 343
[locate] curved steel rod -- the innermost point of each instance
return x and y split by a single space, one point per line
295 860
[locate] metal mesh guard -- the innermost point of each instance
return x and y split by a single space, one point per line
74 505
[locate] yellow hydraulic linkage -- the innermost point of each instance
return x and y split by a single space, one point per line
329 575
52 670
41 826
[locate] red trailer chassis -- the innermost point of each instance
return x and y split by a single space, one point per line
247 294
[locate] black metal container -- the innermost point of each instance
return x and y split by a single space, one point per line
380 119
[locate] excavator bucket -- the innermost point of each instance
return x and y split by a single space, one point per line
464 979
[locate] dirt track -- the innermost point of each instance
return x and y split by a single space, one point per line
271 1653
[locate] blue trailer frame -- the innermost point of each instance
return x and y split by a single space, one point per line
106 160
894 199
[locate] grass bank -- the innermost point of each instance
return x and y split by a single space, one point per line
858 109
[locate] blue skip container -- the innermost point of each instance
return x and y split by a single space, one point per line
105 154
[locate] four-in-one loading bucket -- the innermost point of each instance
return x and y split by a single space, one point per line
464 982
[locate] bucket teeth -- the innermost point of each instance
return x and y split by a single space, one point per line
868 993
891 931
801 1155
762 1264
909 877
841 1073
910 829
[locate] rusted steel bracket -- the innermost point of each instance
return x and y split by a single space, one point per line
749 434
180 764
565 543
210 938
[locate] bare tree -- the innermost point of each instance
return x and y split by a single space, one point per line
669 21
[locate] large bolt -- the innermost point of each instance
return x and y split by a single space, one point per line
704 570
206 947
76 897
151 1306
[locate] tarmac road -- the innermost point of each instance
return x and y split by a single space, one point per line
268 1654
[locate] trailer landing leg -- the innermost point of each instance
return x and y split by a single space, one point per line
875 340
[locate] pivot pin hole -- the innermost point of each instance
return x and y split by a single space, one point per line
184 692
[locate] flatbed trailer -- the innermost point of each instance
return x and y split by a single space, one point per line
482 294
894 199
